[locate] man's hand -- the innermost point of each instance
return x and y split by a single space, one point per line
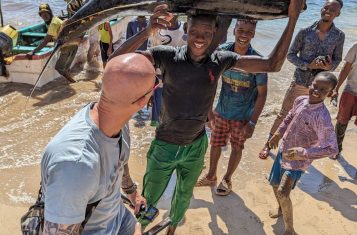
211 119
327 63
321 62
29 55
248 130
110 51
293 154
160 19
274 141
334 94
137 229
295 8
137 200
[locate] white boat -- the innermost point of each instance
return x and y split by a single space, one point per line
23 70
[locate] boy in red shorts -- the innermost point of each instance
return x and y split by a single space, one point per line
240 103
348 100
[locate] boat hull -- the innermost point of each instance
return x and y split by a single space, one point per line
95 12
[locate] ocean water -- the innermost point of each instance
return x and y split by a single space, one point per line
24 12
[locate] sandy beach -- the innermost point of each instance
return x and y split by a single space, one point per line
325 200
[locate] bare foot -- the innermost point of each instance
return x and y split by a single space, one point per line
275 213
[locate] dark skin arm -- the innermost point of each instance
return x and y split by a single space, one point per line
45 41
274 62
258 108
341 78
111 39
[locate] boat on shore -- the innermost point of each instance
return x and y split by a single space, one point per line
24 70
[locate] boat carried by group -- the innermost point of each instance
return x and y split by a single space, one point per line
95 12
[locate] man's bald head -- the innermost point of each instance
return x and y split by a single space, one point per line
126 78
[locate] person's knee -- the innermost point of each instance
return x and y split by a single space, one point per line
283 196
237 150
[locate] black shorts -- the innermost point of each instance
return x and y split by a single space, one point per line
103 51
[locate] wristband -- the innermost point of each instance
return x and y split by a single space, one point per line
251 123
131 189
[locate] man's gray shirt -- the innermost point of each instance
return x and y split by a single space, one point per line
307 46
81 166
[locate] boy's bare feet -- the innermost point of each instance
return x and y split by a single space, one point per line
275 213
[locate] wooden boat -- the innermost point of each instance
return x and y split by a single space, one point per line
94 12
23 70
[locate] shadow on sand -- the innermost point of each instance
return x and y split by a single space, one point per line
322 188
233 212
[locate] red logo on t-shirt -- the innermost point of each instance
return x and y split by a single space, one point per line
211 75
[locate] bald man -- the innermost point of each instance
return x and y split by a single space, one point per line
86 163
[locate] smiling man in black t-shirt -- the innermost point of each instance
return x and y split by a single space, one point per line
190 76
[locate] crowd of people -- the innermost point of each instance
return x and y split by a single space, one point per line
87 161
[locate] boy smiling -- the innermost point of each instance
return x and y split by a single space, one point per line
308 134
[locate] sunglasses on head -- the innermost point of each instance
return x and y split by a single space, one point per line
156 85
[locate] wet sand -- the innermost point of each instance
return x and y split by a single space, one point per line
324 201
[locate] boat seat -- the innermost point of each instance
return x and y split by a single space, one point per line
33 34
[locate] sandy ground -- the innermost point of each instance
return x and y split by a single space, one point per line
324 201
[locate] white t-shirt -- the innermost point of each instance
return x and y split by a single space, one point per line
169 37
351 84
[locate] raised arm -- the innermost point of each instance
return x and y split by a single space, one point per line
155 22
274 62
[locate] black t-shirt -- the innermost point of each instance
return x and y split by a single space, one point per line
188 91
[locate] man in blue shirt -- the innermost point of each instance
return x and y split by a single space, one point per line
241 101
135 26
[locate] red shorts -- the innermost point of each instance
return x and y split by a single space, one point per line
223 129
347 108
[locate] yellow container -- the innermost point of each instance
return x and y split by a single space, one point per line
11 32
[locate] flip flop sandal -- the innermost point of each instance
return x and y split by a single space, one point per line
224 188
205 182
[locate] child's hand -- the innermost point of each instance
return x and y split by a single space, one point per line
248 130
274 141
293 154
